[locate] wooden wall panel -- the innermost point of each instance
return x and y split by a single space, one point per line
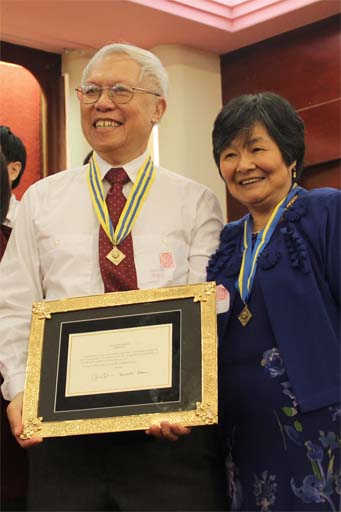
46 68
328 173
322 126
304 66
22 113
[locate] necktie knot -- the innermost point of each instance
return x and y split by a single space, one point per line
117 175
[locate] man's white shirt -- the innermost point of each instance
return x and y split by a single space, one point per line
53 250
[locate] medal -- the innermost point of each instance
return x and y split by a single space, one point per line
131 210
251 254
115 256
245 316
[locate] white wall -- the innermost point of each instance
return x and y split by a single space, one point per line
193 103
73 63
185 131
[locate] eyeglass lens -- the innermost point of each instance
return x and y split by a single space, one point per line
117 93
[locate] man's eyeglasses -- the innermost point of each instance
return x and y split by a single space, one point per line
118 93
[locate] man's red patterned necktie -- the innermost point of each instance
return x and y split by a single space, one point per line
123 276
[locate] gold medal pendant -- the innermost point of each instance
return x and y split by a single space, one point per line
245 316
115 256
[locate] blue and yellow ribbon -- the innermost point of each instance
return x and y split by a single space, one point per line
134 203
251 254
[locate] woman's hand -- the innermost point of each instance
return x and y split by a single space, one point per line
14 414
169 431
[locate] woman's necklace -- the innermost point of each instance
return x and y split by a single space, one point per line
252 252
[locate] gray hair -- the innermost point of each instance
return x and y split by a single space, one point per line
152 69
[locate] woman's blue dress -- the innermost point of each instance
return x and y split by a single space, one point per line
278 459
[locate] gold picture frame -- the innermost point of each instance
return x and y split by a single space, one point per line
122 361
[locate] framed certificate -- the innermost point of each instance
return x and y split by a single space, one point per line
122 361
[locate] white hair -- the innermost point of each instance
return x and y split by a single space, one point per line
152 70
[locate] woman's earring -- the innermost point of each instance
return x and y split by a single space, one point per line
294 175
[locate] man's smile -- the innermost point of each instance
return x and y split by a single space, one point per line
107 123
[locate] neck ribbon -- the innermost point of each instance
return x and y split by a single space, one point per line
251 254
133 205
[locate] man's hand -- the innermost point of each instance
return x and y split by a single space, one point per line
14 413
169 431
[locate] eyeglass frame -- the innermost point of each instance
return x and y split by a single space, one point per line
110 90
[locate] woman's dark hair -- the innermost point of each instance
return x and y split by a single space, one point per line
5 190
276 114
14 150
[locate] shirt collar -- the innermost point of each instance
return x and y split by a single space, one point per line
12 211
131 167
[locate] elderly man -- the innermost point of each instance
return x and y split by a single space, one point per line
63 246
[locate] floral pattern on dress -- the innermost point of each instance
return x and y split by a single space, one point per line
336 412
325 481
273 363
319 486
234 487
265 489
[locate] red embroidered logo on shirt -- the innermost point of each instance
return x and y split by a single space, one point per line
166 260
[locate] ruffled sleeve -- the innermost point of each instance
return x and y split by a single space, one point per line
228 256
291 230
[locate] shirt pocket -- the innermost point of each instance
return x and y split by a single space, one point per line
160 260
66 263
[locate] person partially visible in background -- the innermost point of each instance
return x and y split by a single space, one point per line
13 474
5 195
15 154
278 276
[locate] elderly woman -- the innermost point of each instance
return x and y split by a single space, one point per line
278 276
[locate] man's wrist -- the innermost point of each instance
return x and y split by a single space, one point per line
10 389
